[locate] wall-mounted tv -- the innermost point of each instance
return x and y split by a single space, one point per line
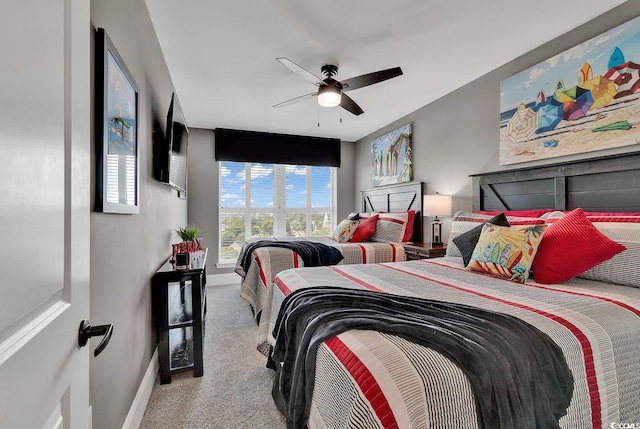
170 149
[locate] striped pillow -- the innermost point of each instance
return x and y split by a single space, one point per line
623 268
519 213
390 227
464 221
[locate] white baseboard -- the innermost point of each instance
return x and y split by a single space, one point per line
223 279
139 405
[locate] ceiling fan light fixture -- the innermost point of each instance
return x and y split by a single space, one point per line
329 96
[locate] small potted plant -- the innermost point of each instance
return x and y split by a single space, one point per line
191 242
188 233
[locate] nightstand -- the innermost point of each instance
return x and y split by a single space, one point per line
424 251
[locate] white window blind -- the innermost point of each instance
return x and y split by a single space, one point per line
266 200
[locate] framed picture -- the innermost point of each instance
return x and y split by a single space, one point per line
117 166
582 100
392 157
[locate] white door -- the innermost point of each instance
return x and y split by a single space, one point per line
44 212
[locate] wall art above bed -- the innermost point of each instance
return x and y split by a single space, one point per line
392 157
582 100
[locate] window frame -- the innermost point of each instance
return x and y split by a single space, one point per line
278 210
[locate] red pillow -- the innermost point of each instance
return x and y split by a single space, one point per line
570 246
408 230
366 228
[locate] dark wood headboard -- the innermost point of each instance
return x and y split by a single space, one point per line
396 198
607 184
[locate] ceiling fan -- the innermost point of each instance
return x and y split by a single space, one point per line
330 92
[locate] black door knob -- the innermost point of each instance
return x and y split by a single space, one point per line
87 331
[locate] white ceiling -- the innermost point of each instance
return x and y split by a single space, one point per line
221 54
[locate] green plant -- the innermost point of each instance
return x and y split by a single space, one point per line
189 232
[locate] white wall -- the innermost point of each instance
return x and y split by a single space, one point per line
458 134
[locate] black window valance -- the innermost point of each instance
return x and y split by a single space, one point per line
254 146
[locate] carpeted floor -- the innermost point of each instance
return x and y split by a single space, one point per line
235 390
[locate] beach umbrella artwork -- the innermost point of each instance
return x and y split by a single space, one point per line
602 91
626 77
550 113
577 101
522 124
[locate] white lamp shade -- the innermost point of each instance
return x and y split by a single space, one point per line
329 96
437 205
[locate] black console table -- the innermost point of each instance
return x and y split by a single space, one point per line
179 306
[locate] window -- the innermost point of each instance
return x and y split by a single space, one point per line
267 200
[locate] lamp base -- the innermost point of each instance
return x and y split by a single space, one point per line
436 232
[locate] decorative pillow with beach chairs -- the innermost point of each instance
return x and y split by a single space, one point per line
506 252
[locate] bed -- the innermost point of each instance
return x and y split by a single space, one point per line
368 378
265 262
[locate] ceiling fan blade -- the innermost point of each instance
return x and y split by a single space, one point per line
296 100
305 74
348 104
370 78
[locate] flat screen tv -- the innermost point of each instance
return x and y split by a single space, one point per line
170 149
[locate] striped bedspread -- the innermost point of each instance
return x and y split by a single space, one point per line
269 261
374 380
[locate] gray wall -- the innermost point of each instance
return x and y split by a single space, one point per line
203 186
126 250
346 182
458 134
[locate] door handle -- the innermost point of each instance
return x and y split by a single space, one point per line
87 331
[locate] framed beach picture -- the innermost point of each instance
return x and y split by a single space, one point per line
392 157
582 100
117 165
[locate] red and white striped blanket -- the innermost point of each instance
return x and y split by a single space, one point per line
374 380
268 261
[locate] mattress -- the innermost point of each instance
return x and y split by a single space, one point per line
267 262
374 380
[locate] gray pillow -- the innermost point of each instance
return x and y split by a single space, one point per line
467 241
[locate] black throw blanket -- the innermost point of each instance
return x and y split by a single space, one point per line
519 376
313 254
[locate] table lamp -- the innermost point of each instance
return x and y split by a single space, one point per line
437 205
